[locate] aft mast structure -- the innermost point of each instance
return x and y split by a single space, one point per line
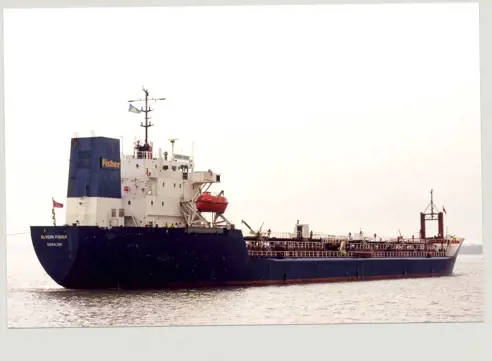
431 213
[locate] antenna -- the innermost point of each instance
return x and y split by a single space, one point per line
172 140
146 110
193 152
432 206
121 146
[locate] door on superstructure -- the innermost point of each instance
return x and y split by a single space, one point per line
80 211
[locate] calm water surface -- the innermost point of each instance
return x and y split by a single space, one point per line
34 300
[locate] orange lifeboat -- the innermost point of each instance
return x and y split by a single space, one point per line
207 202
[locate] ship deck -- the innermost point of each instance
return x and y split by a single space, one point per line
340 248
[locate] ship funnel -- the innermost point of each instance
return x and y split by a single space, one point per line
94 180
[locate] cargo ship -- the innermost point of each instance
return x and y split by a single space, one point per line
148 220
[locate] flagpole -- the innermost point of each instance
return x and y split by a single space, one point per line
193 154
53 210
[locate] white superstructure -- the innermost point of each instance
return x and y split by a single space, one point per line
156 189
159 190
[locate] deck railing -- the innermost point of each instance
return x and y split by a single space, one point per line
326 238
338 254
306 245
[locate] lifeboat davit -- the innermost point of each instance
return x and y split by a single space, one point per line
207 202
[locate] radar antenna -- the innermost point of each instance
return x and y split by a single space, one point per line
146 110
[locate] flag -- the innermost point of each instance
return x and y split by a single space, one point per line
132 109
444 210
57 205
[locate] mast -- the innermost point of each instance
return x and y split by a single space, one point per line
432 215
146 111
432 207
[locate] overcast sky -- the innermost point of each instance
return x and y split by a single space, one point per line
343 117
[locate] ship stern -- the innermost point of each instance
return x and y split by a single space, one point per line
56 248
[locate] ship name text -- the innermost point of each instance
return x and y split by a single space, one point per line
108 163
54 236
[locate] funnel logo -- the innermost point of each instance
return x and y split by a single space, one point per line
109 164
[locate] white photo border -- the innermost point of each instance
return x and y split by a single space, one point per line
451 341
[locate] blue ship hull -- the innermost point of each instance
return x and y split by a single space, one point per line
89 257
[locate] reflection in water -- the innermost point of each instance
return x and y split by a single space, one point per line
35 301
111 308
144 304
